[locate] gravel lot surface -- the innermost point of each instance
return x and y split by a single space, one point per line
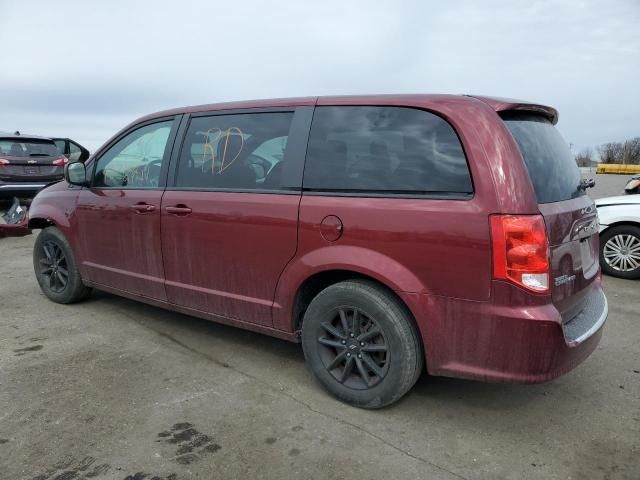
113 389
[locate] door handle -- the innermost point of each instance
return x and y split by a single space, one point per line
178 210
143 208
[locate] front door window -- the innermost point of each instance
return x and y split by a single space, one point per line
134 161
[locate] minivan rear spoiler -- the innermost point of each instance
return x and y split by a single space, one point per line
510 105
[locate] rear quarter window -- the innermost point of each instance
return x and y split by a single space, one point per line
552 169
384 151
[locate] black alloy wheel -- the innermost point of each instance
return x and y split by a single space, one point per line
353 348
53 266
361 343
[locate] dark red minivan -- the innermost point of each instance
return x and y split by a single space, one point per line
384 233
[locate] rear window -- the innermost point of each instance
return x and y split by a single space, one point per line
17 147
384 151
552 168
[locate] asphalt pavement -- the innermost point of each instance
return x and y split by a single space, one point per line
114 389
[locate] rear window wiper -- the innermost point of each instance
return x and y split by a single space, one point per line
39 155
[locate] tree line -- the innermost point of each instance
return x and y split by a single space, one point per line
626 153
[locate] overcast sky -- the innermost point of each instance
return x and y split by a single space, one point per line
85 69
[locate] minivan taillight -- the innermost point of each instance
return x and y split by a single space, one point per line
521 251
4 162
60 162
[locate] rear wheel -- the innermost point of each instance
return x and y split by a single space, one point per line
55 268
620 251
361 344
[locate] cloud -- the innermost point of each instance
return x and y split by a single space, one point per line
79 68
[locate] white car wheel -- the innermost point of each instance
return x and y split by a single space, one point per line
620 251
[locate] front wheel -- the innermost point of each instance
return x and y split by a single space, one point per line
55 268
361 344
620 251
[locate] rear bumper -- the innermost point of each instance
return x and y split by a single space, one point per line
499 342
589 321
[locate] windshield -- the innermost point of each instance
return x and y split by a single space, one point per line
17 147
552 168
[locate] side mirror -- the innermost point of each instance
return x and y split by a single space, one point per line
75 173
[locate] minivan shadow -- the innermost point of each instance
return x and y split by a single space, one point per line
436 390
477 394
168 323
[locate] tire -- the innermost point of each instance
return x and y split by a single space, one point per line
55 268
336 357
622 240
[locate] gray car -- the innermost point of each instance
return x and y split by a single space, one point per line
28 163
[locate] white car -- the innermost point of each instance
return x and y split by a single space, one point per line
620 235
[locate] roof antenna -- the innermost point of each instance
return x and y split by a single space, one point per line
17 132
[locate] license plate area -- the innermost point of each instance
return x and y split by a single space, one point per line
31 170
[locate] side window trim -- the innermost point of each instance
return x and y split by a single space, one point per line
165 161
169 167
294 154
172 171
387 194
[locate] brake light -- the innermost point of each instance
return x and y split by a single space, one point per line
3 162
60 162
521 250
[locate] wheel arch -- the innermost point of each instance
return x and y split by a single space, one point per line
299 283
42 215
619 223
317 282
41 222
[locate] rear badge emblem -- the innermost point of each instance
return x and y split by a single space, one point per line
31 162
587 210
562 279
